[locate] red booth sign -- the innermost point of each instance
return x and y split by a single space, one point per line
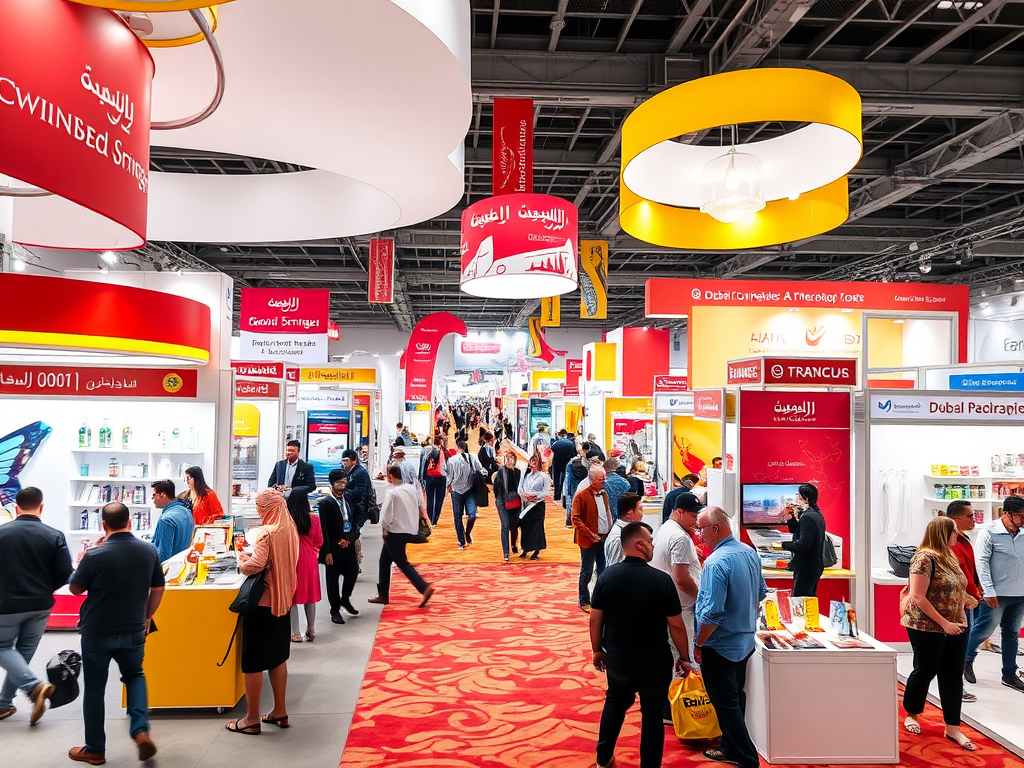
802 371
75 87
60 381
519 247
257 389
670 383
512 154
421 354
745 371
707 405
260 370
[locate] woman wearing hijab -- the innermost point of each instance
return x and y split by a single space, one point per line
307 574
266 630
506 498
533 490
206 507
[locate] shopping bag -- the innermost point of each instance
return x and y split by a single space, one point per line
63 671
693 717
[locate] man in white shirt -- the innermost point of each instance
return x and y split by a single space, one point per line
399 521
676 555
630 509
408 470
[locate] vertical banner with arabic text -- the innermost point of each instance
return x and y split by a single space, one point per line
594 279
381 287
551 312
421 354
512 155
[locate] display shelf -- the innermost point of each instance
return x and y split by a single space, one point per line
975 477
965 498
134 451
103 503
108 478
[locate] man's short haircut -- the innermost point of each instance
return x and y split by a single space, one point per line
958 508
562 433
293 444
717 458
29 499
166 487
335 475
627 503
610 465
350 455
632 532
717 516
692 478
1013 505
116 516
597 471
688 502
462 446
395 472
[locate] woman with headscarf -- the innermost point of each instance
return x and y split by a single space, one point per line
307 574
533 490
266 630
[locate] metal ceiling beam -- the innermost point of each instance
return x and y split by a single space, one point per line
557 24
756 40
988 8
744 262
687 26
834 29
997 46
633 13
988 140
494 23
921 9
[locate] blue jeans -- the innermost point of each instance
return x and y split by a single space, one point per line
97 653
503 516
19 636
588 557
1008 617
435 489
463 503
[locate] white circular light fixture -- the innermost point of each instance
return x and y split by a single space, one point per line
108 257
732 186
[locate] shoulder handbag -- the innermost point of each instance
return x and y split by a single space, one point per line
421 536
899 560
480 492
512 500
828 550
370 505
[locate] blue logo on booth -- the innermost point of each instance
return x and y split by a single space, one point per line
886 406
991 382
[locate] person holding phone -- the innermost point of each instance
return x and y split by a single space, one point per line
936 621
807 525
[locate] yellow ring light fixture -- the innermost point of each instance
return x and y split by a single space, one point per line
172 30
150 6
747 195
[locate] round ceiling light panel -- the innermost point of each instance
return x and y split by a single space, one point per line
803 172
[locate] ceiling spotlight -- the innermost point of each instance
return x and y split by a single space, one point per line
924 264
17 265
913 246
109 258
968 254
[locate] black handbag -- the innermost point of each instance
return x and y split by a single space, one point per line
480 491
249 594
421 536
899 560
62 671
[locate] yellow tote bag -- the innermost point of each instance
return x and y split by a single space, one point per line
693 717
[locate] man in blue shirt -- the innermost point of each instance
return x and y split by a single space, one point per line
614 484
725 617
175 525
999 555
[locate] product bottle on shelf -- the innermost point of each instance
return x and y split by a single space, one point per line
176 439
112 467
193 439
85 435
105 434
126 437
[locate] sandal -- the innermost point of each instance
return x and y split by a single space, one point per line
912 726
280 722
296 638
235 726
310 635
966 744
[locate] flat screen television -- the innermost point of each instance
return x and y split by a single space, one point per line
763 505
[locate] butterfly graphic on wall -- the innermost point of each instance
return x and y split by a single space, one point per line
16 450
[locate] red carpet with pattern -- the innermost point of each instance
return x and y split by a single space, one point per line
496 672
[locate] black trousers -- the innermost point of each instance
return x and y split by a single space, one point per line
394 552
805 583
558 478
617 701
346 568
725 680
937 654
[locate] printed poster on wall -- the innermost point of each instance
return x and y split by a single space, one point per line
594 279
245 453
285 324
327 437
551 312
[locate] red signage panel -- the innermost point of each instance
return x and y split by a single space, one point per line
294 311
745 371
291 373
802 371
671 383
708 405
421 354
381 287
259 370
512 154
68 381
256 389
805 410
79 115
573 373
333 331
573 391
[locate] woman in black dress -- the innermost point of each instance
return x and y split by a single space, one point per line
506 498
533 490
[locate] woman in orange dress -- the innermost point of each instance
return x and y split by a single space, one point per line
206 507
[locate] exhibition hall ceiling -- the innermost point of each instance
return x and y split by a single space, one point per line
937 195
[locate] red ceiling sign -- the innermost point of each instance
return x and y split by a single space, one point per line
333 331
421 354
381 286
707 405
822 372
260 370
285 310
745 371
670 383
249 390
512 154
68 381
75 100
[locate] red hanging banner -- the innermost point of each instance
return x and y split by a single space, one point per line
286 323
75 87
512 155
381 288
421 354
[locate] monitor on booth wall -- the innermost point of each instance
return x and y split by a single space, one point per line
763 505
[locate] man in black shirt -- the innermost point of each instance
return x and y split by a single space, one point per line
562 452
629 610
123 583
338 552
34 561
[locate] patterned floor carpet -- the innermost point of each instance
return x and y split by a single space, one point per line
496 672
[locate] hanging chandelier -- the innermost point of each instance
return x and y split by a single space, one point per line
740 195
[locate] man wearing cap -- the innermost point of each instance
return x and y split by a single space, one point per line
676 555
408 470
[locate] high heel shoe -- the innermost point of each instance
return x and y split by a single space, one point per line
523 556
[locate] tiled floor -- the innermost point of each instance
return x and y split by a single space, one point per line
997 711
323 686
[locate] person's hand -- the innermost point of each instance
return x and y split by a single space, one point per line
244 557
149 620
970 602
329 560
343 544
600 661
684 668
993 602
952 629
697 654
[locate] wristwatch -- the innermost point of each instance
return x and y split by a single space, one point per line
701 647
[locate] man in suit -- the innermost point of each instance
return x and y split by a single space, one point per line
292 473
358 485
338 552
562 452
592 520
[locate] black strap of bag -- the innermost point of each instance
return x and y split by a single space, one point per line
246 601
231 642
